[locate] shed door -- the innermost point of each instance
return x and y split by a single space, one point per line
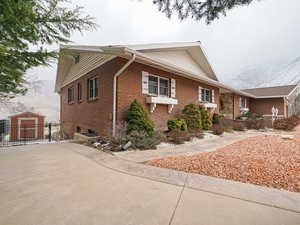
28 129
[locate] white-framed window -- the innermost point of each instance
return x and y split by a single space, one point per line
79 92
243 102
70 95
92 87
206 95
159 86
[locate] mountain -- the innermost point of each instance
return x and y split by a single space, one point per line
40 99
266 75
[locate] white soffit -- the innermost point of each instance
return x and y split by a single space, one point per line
180 58
188 55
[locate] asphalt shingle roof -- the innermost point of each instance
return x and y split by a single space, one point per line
271 91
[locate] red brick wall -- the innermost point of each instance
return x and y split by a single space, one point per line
96 114
236 105
130 88
264 106
15 126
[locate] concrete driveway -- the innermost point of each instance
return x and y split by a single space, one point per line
72 184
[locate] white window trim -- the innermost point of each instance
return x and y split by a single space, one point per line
158 86
245 101
73 95
210 91
35 127
94 88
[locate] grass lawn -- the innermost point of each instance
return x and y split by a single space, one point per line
264 160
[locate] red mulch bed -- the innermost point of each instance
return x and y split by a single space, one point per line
265 160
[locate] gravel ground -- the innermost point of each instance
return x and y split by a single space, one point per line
264 160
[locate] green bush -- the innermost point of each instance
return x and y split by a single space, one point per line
192 116
216 118
141 140
250 115
177 124
138 119
206 118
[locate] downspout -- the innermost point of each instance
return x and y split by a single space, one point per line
115 93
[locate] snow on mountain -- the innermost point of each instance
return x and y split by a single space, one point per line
40 98
266 75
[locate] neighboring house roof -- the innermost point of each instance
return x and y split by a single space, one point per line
26 113
271 92
186 59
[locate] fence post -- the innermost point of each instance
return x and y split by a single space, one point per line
49 129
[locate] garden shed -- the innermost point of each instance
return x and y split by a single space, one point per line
27 126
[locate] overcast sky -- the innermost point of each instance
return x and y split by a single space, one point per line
267 31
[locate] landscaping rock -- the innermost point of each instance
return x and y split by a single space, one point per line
265 160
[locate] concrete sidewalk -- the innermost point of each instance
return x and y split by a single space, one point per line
74 184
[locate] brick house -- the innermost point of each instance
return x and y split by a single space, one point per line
98 84
284 98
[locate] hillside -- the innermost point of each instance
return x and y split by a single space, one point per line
266 75
40 99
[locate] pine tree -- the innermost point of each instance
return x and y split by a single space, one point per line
206 118
192 116
196 9
27 27
138 119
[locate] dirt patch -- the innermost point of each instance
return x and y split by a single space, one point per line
264 160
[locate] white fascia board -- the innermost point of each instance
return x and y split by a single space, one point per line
279 96
183 72
293 91
154 46
208 61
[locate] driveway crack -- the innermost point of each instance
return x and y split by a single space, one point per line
178 200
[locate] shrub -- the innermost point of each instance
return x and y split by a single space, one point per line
206 118
178 137
216 118
217 129
286 123
177 124
192 116
256 124
141 140
238 126
138 119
